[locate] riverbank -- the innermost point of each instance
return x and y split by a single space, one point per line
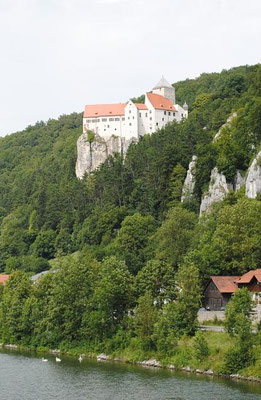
184 358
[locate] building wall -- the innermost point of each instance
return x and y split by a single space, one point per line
213 299
106 126
131 121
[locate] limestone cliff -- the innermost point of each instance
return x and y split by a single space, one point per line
92 153
189 184
217 191
253 181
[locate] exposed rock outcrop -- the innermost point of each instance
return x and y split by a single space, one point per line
189 184
91 154
253 181
217 191
229 120
240 181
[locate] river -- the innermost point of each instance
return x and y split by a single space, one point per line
23 376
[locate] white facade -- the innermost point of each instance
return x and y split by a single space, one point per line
131 120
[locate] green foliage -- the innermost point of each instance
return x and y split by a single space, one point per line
174 237
200 345
166 330
156 278
132 240
44 245
145 317
241 304
176 181
188 298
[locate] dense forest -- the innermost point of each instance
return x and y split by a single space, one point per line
119 243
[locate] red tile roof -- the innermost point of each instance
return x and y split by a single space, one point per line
225 284
246 278
3 279
104 110
141 106
160 102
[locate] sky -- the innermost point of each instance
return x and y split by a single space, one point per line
58 55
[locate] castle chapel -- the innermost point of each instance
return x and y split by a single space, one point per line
132 120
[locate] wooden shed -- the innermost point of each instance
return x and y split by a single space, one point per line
219 291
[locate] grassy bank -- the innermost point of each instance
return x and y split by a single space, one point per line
183 356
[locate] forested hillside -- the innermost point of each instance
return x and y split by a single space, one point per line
121 238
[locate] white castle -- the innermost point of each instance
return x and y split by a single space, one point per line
115 126
132 120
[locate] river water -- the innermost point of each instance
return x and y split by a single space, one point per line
23 376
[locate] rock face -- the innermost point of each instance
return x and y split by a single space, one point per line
239 181
189 184
90 155
229 120
218 189
253 181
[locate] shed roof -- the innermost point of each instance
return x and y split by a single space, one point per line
4 278
246 278
104 110
160 102
225 284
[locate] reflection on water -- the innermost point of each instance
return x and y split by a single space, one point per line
23 376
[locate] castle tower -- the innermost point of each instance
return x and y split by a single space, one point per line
185 108
165 89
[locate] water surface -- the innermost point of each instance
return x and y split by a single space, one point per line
23 376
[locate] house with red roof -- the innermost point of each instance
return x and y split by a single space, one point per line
131 120
220 288
3 279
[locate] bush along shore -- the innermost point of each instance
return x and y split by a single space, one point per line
186 358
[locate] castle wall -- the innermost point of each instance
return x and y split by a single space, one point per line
106 126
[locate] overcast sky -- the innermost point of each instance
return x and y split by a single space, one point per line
58 55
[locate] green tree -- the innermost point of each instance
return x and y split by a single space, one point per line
14 325
44 245
174 237
132 240
145 317
157 278
200 345
240 304
188 299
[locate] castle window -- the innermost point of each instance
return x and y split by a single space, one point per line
132 117
150 111
157 124
169 112
108 126
150 118
130 123
111 119
140 114
165 112
181 115
93 120
104 119
98 120
162 119
173 114
123 118
117 119
130 111
146 114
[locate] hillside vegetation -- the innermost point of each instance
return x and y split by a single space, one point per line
120 242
